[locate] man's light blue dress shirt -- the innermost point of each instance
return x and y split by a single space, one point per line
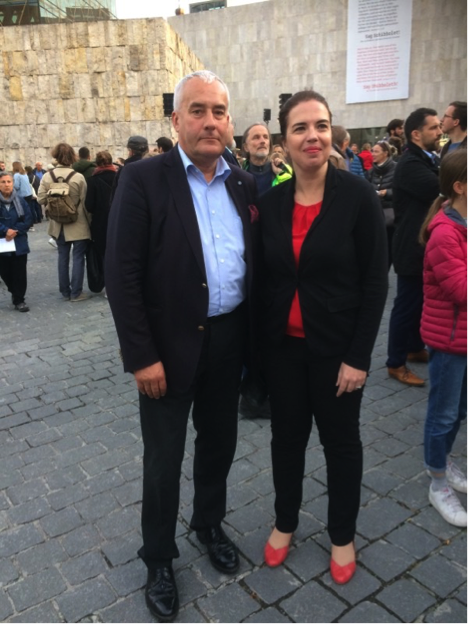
221 234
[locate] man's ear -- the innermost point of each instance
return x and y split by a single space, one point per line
175 120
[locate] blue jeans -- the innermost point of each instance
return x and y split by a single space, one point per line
403 333
74 287
446 407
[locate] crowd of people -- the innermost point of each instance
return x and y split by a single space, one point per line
273 261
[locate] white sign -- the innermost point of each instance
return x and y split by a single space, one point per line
379 47
7 246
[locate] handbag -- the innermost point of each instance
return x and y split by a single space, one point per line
94 268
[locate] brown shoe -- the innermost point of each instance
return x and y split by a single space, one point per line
420 356
406 376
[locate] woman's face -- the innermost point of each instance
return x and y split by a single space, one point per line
6 185
378 154
308 135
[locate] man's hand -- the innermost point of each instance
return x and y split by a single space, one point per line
10 235
350 379
152 380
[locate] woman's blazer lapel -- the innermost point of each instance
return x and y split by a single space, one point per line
331 184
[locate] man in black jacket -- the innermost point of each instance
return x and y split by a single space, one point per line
415 187
179 277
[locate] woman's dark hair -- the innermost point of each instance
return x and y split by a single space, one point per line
103 158
397 143
64 154
28 169
452 169
297 98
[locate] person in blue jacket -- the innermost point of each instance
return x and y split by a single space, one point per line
15 221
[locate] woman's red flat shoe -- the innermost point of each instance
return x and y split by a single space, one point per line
275 556
342 574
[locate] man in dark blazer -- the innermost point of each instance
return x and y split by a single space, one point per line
415 187
178 277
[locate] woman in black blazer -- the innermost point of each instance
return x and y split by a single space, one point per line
381 178
323 293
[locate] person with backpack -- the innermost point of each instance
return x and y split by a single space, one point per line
63 192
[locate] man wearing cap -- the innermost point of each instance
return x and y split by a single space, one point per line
137 147
179 275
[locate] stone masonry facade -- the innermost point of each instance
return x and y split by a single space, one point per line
96 84
282 46
89 84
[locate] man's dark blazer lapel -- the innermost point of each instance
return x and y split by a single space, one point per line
180 189
236 191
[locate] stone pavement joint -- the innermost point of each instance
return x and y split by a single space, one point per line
70 492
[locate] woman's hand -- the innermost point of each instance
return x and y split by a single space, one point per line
10 235
277 165
350 379
383 193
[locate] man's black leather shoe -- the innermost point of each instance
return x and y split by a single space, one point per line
223 553
162 598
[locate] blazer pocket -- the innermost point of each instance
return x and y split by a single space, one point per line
346 302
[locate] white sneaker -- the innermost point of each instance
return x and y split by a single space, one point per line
455 477
448 505
52 242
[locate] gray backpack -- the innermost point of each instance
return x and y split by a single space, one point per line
60 207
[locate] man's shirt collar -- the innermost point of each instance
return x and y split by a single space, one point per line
222 168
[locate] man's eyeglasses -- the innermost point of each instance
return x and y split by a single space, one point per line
447 117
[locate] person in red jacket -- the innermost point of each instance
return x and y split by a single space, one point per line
443 329
366 156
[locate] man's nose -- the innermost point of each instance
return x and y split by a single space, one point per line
210 119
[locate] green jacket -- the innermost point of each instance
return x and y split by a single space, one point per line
85 167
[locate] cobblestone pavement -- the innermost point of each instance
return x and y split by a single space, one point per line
70 490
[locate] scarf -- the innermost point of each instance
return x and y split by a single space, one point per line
102 168
15 200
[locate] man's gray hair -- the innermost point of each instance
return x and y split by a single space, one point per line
205 75
6 173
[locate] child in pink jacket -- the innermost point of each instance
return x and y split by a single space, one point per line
443 329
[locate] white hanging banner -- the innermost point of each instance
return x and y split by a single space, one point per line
379 49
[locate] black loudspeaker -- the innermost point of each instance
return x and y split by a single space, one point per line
283 98
267 114
168 104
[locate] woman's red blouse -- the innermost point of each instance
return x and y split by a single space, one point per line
302 219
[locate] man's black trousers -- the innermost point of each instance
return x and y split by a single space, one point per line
215 396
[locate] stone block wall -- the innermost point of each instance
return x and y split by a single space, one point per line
282 46
89 84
